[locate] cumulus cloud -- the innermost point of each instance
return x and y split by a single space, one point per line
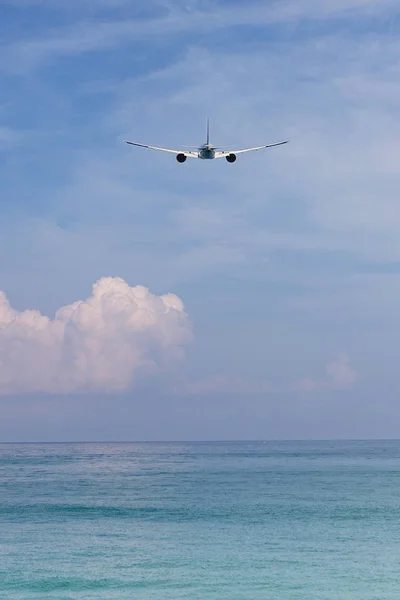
103 343
339 376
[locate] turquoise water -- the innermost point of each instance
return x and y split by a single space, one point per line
212 521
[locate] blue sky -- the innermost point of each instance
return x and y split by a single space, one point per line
287 262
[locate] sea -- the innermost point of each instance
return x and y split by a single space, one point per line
210 521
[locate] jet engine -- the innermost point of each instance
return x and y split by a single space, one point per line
181 158
231 158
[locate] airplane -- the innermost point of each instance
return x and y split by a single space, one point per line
207 151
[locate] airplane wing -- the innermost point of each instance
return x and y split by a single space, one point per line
185 152
222 154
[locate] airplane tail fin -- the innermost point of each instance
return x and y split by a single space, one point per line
208 131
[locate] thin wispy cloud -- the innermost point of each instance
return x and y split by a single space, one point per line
99 36
339 376
9 137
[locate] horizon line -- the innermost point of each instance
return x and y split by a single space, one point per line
232 441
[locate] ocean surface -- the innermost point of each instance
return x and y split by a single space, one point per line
211 521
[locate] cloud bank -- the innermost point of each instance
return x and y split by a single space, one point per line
339 376
104 343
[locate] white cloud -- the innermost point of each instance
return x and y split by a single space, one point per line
103 343
339 376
